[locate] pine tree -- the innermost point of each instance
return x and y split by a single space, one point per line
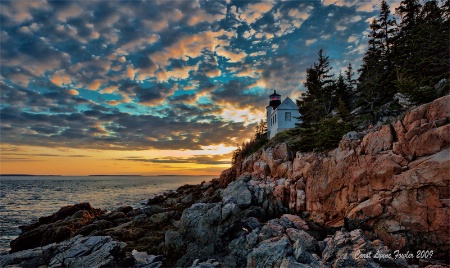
408 11
387 28
349 73
343 97
318 100
375 87
421 49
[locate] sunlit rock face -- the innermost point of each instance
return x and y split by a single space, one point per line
392 179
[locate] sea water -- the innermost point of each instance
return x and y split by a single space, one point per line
23 199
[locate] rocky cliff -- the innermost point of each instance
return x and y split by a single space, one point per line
379 200
392 180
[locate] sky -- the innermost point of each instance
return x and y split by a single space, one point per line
157 87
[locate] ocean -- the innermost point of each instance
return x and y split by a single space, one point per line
23 199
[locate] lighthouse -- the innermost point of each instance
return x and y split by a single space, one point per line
280 115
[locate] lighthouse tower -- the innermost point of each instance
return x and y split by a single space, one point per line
280 115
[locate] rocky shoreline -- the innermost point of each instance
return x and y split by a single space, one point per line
379 200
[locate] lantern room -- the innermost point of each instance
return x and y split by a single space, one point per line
275 100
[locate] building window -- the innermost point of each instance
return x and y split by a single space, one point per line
287 116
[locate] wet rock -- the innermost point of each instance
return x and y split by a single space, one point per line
55 228
150 210
125 209
162 217
112 216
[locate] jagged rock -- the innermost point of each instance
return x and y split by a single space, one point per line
173 243
293 221
303 239
352 135
403 100
162 217
210 263
124 209
94 251
55 228
397 172
290 262
150 210
353 249
270 253
238 193
143 260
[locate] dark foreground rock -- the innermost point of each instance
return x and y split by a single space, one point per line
55 228
94 251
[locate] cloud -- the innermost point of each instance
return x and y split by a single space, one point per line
252 12
196 159
352 39
73 92
71 11
160 74
231 56
311 41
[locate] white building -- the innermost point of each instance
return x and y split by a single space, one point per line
280 115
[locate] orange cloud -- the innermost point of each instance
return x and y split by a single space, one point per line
190 46
202 16
70 12
59 78
255 11
231 56
213 73
94 85
73 92
130 72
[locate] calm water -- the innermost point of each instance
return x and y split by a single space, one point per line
25 199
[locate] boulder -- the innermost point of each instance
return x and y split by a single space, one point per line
57 227
270 253
238 193
94 251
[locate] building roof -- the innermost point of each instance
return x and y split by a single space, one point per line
287 104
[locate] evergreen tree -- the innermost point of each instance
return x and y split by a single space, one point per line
349 73
421 49
375 87
408 11
343 97
319 129
318 100
387 28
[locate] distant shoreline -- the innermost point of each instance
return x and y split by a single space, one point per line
99 175
27 175
106 175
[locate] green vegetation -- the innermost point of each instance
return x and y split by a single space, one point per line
257 142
